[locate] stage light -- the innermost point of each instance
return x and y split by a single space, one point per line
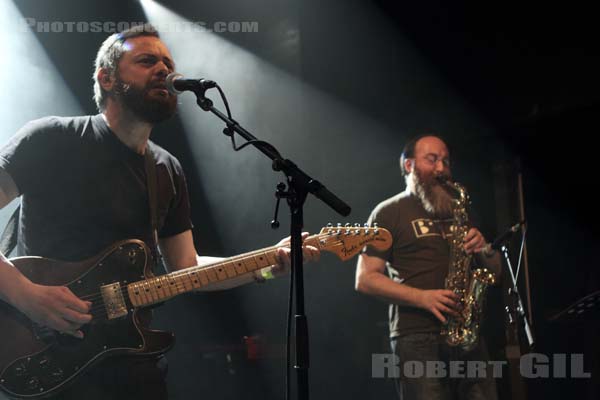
273 104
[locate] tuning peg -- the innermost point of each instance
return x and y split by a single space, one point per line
347 226
366 225
329 228
375 228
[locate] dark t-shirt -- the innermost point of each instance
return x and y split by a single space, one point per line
83 189
419 257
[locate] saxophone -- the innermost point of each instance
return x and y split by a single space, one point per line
470 286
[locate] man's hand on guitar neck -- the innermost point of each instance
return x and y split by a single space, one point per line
309 254
55 307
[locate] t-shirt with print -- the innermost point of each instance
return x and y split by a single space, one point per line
418 257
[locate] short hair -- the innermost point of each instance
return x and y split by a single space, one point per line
409 149
110 53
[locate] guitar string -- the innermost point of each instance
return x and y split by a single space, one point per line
151 293
214 265
179 286
219 266
231 260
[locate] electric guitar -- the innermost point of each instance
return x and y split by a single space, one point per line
37 362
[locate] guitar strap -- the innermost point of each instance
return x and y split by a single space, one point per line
151 183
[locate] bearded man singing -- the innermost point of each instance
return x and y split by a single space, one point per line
419 219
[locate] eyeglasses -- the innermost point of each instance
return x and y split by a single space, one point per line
433 159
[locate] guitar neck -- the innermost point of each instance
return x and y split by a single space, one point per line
345 242
163 287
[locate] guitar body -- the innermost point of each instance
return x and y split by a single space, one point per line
36 362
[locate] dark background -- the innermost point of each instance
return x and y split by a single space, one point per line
513 87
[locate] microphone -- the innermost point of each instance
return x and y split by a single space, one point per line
490 248
177 84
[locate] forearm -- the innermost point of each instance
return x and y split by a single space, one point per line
12 281
380 285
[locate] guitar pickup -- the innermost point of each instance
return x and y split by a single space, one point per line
114 302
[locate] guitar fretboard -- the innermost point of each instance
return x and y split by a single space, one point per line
345 242
161 288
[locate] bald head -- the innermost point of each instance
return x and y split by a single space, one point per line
422 164
427 148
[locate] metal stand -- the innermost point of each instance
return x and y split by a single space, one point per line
516 309
299 185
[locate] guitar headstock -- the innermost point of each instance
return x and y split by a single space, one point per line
347 241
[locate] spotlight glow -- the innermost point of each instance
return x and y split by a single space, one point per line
31 85
275 105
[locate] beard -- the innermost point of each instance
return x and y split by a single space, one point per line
435 198
147 106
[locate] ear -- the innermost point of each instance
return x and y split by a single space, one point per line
409 164
105 79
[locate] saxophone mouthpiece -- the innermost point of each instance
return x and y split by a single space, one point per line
450 185
443 179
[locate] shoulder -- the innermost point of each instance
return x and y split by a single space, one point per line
53 126
394 210
57 122
165 158
394 203
41 135
41 126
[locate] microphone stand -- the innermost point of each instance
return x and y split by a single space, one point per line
517 305
299 185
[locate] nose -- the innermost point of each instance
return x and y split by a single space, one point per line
162 69
440 166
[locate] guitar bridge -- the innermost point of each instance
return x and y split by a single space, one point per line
114 302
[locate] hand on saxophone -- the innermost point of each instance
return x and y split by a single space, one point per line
474 241
439 302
